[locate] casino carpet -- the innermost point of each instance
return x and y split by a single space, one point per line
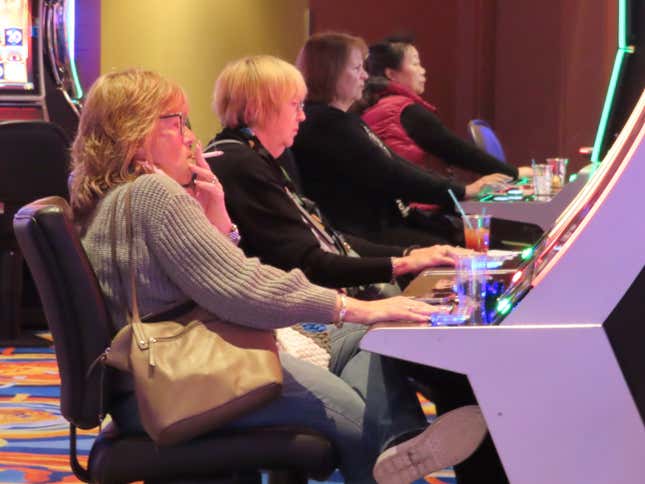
33 434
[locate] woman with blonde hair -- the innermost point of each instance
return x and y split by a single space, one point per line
134 137
259 102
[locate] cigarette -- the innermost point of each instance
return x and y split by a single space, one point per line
212 154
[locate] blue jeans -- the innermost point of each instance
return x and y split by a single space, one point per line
313 398
333 403
392 411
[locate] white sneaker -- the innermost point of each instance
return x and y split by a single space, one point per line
449 440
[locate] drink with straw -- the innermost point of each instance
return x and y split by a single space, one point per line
476 227
477 232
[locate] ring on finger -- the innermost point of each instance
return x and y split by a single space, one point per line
214 181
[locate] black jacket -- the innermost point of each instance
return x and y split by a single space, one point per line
355 178
272 227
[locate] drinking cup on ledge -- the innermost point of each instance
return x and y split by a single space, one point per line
558 171
477 232
542 176
470 286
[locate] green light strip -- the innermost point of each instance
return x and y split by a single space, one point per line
622 24
70 25
621 52
609 103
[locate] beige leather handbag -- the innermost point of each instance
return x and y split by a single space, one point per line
193 374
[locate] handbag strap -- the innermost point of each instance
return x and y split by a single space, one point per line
133 317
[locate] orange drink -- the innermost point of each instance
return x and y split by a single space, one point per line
477 232
477 238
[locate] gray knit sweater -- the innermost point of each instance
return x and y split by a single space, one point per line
180 256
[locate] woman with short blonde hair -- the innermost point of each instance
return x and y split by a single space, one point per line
248 90
284 230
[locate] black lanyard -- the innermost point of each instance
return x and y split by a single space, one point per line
308 209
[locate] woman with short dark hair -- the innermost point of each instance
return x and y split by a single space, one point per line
356 179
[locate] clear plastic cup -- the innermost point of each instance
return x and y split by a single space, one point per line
477 232
542 178
558 171
470 286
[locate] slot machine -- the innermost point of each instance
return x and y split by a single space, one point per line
40 98
38 77
518 203
558 373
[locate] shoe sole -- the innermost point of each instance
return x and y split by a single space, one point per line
449 440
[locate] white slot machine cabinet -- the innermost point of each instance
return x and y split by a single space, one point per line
38 79
560 374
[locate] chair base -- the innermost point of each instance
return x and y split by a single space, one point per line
25 340
289 455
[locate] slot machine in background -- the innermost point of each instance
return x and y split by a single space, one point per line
38 78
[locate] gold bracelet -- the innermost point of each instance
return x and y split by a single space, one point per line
342 311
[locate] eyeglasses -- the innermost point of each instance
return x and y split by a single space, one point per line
184 122
298 106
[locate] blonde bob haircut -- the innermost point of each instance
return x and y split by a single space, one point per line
119 114
251 90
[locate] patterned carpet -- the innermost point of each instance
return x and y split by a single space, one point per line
33 434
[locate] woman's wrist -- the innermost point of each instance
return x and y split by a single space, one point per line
220 220
341 313
400 266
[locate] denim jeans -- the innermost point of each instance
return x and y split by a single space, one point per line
312 397
363 405
392 411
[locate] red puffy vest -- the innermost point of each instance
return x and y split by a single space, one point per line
384 118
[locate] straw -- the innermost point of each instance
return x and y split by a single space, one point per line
461 210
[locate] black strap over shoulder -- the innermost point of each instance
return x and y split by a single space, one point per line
215 143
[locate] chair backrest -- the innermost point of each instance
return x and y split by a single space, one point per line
73 303
484 137
34 163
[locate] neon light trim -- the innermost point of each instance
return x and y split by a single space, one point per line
617 148
70 27
621 52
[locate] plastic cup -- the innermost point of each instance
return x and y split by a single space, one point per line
542 176
558 171
477 232
470 286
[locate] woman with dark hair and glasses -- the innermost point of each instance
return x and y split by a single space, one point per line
393 108
360 184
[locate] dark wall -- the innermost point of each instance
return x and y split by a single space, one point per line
537 71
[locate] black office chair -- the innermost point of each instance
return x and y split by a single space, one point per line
34 157
79 321
483 136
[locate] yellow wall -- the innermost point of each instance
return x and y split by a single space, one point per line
191 40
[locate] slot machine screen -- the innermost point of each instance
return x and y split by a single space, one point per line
18 64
